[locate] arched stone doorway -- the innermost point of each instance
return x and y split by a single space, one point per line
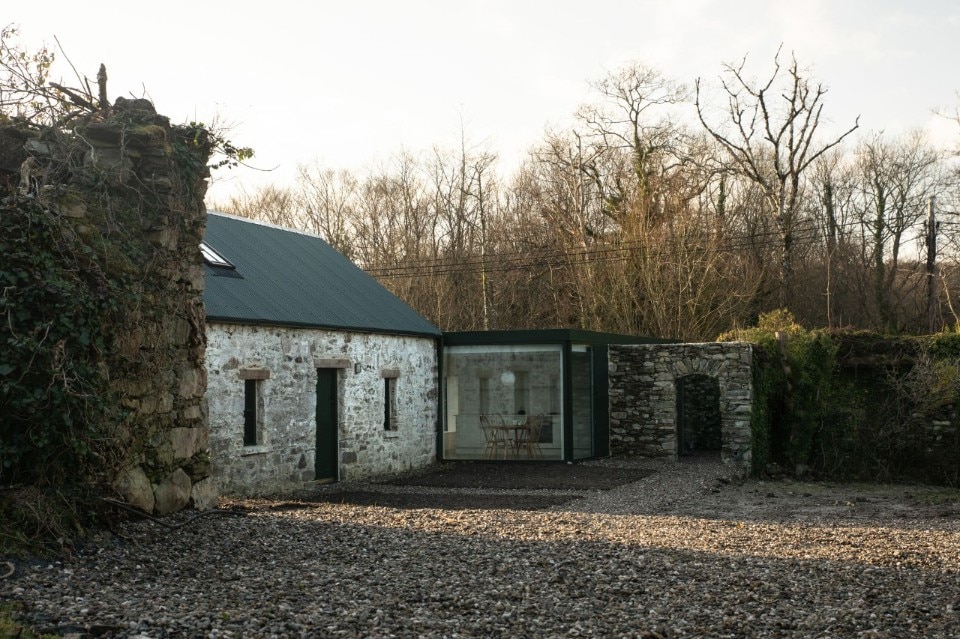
644 384
699 423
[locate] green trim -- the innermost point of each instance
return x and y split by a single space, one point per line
441 403
546 336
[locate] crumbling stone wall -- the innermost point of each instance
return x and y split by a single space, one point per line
129 188
643 396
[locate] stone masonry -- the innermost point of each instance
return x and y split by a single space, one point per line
156 174
131 186
287 360
643 396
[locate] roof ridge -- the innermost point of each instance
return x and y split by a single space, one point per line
268 225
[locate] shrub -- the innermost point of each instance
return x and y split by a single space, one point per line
792 379
855 405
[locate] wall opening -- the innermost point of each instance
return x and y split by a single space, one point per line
698 414
390 403
252 413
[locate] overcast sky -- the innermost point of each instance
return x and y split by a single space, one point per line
351 83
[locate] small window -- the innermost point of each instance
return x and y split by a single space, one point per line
251 412
390 403
213 258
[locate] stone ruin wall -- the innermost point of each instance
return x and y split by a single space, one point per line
643 396
133 186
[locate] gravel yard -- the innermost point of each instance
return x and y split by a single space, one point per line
670 550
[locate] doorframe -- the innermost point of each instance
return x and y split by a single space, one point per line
332 438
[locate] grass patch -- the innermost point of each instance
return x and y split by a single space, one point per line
39 522
10 628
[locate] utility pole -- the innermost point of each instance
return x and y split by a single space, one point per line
932 324
484 280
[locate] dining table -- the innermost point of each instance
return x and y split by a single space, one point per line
512 430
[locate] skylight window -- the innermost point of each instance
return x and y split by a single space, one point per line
213 258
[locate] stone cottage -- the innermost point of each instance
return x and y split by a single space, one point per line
315 371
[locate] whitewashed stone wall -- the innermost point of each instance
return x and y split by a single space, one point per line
643 396
284 458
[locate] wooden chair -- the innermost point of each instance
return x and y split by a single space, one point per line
530 442
493 436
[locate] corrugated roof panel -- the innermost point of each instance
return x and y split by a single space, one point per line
286 277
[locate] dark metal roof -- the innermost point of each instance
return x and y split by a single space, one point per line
545 336
288 278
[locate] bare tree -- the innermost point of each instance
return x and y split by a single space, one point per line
833 185
896 180
393 215
465 197
573 205
26 92
694 288
535 286
773 142
632 122
271 204
327 205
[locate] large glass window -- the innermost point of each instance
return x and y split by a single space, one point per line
502 402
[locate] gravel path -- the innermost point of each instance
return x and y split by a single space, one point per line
684 552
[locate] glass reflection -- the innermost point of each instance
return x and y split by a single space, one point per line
503 402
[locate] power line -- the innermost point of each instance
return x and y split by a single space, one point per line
559 257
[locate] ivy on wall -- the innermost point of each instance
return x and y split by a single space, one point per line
100 290
57 307
854 405
102 336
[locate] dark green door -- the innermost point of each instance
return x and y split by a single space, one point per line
326 455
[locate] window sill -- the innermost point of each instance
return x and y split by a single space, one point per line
391 434
259 449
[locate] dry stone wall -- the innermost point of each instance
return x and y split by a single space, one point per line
643 396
